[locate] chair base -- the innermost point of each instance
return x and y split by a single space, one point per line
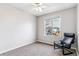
70 51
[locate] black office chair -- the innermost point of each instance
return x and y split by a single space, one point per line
66 43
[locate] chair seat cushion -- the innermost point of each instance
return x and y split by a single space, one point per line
68 40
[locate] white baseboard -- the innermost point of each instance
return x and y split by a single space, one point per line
45 42
17 47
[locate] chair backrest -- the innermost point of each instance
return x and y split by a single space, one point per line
69 37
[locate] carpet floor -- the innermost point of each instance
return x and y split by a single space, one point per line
35 49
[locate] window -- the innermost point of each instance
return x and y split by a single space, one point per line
52 25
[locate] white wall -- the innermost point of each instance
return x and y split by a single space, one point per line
78 26
68 23
17 28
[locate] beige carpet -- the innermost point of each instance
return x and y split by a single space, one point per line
35 49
